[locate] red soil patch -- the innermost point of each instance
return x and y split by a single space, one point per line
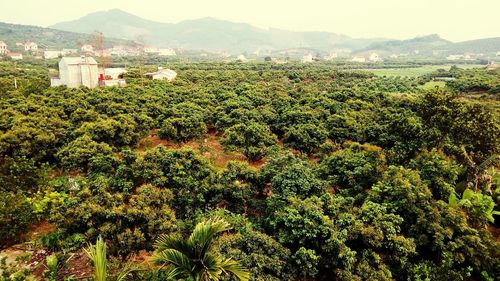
210 147
78 265
39 229
495 232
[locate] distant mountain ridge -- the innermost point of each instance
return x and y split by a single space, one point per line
430 44
208 33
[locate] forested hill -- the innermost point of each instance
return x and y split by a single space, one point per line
46 38
434 43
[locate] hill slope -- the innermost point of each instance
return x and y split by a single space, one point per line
46 38
427 44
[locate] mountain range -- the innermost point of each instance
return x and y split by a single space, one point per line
209 34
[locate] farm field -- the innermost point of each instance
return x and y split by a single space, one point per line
418 71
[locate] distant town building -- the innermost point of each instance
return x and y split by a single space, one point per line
374 57
51 54
162 74
331 56
87 48
15 56
77 71
19 44
30 46
167 52
242 58
66 52
498 54
358 59
492 65
3 48
454 57
151 50
307 58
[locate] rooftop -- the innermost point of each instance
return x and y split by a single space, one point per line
79 60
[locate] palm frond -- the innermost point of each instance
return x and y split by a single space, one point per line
230 265
97 254
125 271
173 257
204 232
165 242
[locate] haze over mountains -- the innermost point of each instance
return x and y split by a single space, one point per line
215 35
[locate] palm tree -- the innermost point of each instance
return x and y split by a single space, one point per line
194 258
97 254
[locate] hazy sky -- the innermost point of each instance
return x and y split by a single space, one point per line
455 20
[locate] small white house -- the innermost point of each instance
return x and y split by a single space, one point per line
151 50
358 59
162 74
30 46
242 58
331 56
15 56
167 52
51 54
78 71
3 48
66 52
454 57
374 57
307 58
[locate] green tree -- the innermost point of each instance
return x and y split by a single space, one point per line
251 139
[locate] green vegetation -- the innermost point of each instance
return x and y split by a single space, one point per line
321 174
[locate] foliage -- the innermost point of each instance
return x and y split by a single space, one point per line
194 258
251 138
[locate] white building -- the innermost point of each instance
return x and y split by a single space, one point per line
66 52
78 71
151 50
16 56
51 54
331 56
358 59
454 57
87 48
162 74
3 48
167 52
242 58
307 58
30 46
374 57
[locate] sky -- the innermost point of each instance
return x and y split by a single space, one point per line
455 20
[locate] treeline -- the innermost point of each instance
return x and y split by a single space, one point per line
365 178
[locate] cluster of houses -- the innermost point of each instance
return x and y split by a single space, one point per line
86 49
85 71
373 57
29 46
